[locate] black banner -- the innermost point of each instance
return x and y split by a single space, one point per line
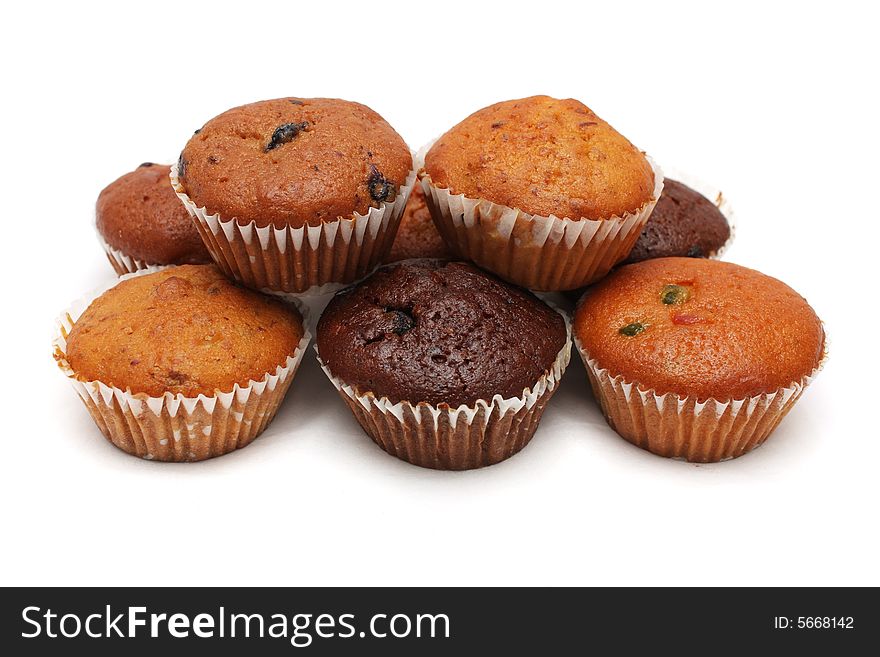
419 621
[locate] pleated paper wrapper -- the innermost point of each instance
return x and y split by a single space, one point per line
174 427
308 260
121 262
685 428
461 438
539 253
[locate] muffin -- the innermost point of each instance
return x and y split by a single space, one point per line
684 223
417 236
540 191
141 222
443 365
296 195
696 359
181 364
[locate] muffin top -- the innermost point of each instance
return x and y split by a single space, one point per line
294 161
701 328
438 332
683 223
417 236
141 215
543 156
182 330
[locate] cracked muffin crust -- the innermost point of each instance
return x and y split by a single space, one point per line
543 156
294 162
140 215
683 223
439 332
182 330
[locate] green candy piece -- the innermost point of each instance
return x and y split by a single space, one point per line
674 294
632 329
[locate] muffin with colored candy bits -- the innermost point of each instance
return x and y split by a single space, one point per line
181 364
417 236
443 365
296 195
696 359
540 191
684 223
141 222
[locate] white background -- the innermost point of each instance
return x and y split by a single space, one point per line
775 105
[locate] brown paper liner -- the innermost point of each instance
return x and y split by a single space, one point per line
539 253
463 438
173 427
684 427
308 260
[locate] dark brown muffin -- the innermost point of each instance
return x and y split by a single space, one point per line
544 156
683 223
292 162
140 215
182 330
439 332
417 236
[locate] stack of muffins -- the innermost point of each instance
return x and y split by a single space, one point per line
433 338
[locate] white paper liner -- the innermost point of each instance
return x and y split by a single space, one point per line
174 427
459 438
540 253
713 194
121 262
684 427
310 260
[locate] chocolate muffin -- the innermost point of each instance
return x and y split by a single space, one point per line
143 223
541 191
443 365
683 223
283 168
417 236
195 365
714 375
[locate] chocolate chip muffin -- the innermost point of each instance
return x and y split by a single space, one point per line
683 223
143 223
296 193
714 377
417 236
195 365
443 365
541 191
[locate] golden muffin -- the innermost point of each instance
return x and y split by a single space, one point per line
693 358
197 365
541 191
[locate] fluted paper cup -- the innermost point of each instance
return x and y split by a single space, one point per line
461 438
174 427
539 253
121 262
702 431
307 260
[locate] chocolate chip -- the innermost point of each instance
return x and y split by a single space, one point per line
401 321
294 101
213 159
197 131
145 164
632 329
181 166
695 251
498 124
285 133
381 189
